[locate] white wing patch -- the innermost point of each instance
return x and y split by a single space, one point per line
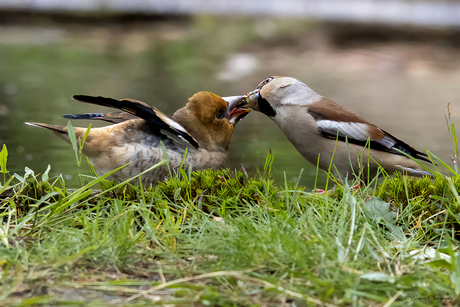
356 131
387 141
179 141
168 120
173 124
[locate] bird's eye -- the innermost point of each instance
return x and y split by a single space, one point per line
261 84
220 114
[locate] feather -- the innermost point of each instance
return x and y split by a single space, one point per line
142 110
112 117
58 129
361 133
332 117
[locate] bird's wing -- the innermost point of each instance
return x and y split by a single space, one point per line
112 117
335 121
151 115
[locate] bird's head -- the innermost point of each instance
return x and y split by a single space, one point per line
275 92
211 119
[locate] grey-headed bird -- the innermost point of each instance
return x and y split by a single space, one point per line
320 130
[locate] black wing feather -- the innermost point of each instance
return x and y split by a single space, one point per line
404 147
139 109
400 145
112 117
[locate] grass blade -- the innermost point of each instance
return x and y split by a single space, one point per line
3 159
73 139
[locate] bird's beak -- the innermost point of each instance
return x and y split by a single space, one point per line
235 110
251 100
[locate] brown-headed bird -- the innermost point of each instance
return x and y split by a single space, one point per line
322 130
203 128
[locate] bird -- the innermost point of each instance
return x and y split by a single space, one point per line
201 130
322 130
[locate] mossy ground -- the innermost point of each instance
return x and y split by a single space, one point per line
220 238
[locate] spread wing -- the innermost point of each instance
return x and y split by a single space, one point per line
335 121
138 109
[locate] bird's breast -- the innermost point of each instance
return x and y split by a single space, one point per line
302 131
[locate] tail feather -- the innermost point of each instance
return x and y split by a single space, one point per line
58 129
415 172
89 148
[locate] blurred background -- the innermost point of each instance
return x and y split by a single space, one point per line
395 63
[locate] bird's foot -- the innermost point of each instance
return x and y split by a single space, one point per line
323 192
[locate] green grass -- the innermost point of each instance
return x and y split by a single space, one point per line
220 238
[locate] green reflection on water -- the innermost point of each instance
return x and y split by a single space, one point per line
37 81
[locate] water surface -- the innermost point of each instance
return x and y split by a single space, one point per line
402 88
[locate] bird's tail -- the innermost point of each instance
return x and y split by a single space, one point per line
417 172
61 131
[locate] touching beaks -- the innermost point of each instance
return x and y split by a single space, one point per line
235 110
251 99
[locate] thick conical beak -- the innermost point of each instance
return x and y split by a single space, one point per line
234 110
251 99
